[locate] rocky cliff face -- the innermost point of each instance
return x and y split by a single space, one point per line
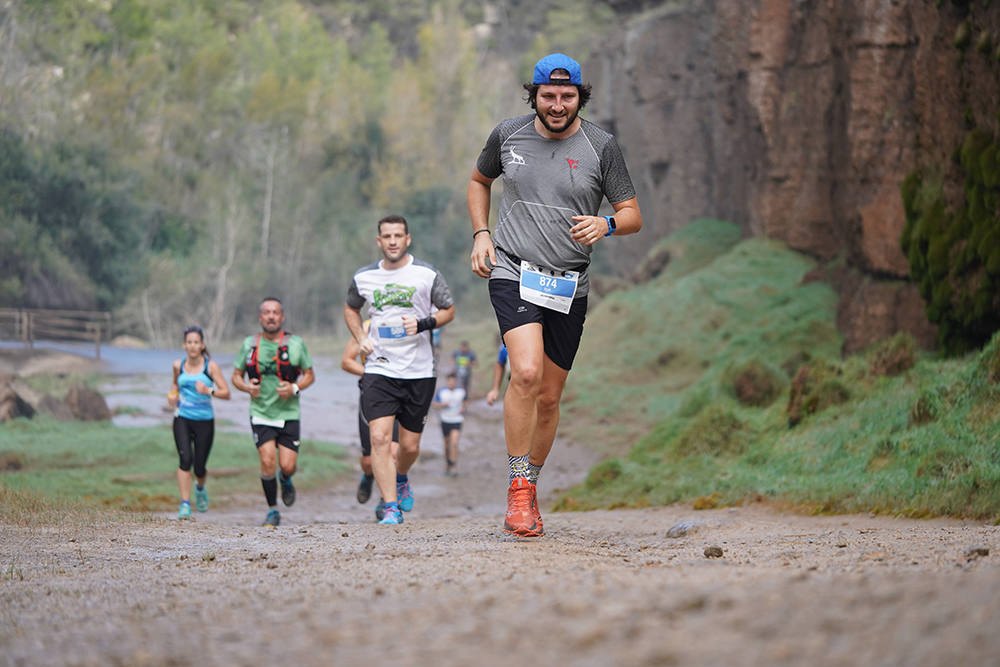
798 119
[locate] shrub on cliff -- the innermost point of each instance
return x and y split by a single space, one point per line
755 383
954 250
893 356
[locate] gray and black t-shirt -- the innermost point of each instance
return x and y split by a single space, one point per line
545 183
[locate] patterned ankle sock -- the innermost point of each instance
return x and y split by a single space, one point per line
533 472
518 466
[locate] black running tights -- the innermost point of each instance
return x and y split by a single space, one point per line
194 441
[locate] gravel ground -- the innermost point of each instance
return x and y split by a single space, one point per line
449 587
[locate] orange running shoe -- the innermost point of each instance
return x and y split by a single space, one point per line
534 507
521 509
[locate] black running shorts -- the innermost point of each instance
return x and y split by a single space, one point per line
448 427
407 400
561 333
286 436
366 436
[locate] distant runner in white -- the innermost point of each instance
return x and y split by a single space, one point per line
400 294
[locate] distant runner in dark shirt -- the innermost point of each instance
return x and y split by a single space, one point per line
464 360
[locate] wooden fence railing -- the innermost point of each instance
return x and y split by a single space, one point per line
31 324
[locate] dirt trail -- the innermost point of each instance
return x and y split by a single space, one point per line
448 587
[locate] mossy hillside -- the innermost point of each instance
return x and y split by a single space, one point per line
924 442
720 304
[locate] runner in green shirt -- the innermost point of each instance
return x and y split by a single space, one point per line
277 367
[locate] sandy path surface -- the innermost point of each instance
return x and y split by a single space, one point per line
449 587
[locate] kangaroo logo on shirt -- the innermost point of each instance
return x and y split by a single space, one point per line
393 295
515 158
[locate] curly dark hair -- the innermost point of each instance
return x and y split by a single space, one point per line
532 89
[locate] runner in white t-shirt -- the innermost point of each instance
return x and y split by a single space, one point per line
399 294
450 400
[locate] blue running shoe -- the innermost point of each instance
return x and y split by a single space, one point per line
185 510
380 510
405 495
392 516
273 518
201 499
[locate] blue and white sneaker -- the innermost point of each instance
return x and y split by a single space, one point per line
380 510
405 495
201 498
392 516
273 518
185 510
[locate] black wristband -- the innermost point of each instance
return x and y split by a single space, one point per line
427 323
480 231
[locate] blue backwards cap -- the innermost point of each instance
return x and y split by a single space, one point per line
554 61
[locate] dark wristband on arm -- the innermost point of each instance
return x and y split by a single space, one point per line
427 323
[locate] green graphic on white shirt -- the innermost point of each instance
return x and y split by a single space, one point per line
393 295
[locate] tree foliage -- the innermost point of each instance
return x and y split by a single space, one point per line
186 157
72 224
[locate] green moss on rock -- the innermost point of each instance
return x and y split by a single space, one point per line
984 41
963 36
954 247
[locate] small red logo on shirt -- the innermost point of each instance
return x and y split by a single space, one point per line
572 163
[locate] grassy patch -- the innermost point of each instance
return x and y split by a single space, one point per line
887 431
45 464
720 306
57 384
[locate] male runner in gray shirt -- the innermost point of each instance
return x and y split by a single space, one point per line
557 168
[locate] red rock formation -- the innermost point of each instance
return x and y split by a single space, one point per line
798 120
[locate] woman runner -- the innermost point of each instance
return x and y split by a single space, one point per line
196 380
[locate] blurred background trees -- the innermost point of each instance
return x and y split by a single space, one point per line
175 161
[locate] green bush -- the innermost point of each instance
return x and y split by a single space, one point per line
954 247
817 386
756 384
716 431
894 356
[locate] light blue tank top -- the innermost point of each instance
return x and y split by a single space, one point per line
192 404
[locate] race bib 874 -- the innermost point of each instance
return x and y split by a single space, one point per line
547 287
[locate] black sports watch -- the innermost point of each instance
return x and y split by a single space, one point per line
611 224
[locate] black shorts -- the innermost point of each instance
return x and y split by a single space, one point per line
561 333
286 436
447 427
407 400
366 436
